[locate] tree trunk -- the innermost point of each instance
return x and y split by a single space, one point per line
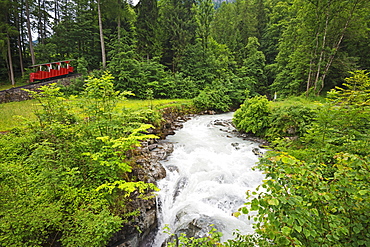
313 57
19 42
29 33
10 61
39 22
104 59
336 47
20 55
318 72
56 11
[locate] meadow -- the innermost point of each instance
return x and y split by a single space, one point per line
16 114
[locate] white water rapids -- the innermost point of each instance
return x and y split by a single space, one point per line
208 174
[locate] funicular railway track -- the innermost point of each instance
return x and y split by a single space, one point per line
44 82
43 74
17 94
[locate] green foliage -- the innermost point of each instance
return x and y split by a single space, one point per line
253 69
306 204
91 229
66 179
234 23
290 121
253 116
184 87
316 192
147 29
214 97
140 75
183 241
54 107
339 129
356 91
178 24
310 49
278 122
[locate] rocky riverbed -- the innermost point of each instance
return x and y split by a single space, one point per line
140 231
149 169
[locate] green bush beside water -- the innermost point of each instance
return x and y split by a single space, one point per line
316 191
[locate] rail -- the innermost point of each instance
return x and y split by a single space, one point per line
17 94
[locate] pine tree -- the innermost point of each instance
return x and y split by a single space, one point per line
178 27
147 29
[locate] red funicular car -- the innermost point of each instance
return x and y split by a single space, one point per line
50 70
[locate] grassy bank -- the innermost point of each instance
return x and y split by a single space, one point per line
311 102
14 114
5 86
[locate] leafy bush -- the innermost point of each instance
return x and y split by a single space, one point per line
311 204
290 121
214 97
60 179
213 239
137 75
253 116
184 87
316 193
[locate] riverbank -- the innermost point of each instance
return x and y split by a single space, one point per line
152 155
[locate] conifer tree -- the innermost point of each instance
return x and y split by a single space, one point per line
178 25
147 29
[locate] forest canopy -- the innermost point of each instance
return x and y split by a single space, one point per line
172 48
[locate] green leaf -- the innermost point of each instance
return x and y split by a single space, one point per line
306 232
236 214
254 205
298 228
363 192
273 201
245 210
286 230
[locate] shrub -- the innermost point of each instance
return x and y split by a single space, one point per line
253 116
66 179
214 97
290 121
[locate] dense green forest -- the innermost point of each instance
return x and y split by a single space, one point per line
181 48
67 177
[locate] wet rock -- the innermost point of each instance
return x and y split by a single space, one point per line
257 152
152 146
149 169
235 145
162 151
200 227
262 143
223 122
146 221
173 168
181 184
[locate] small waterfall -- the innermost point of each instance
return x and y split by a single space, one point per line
207 177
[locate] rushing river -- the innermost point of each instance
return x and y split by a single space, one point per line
208 174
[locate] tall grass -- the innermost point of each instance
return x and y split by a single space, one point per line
311 102
5 86
155 103
13 114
